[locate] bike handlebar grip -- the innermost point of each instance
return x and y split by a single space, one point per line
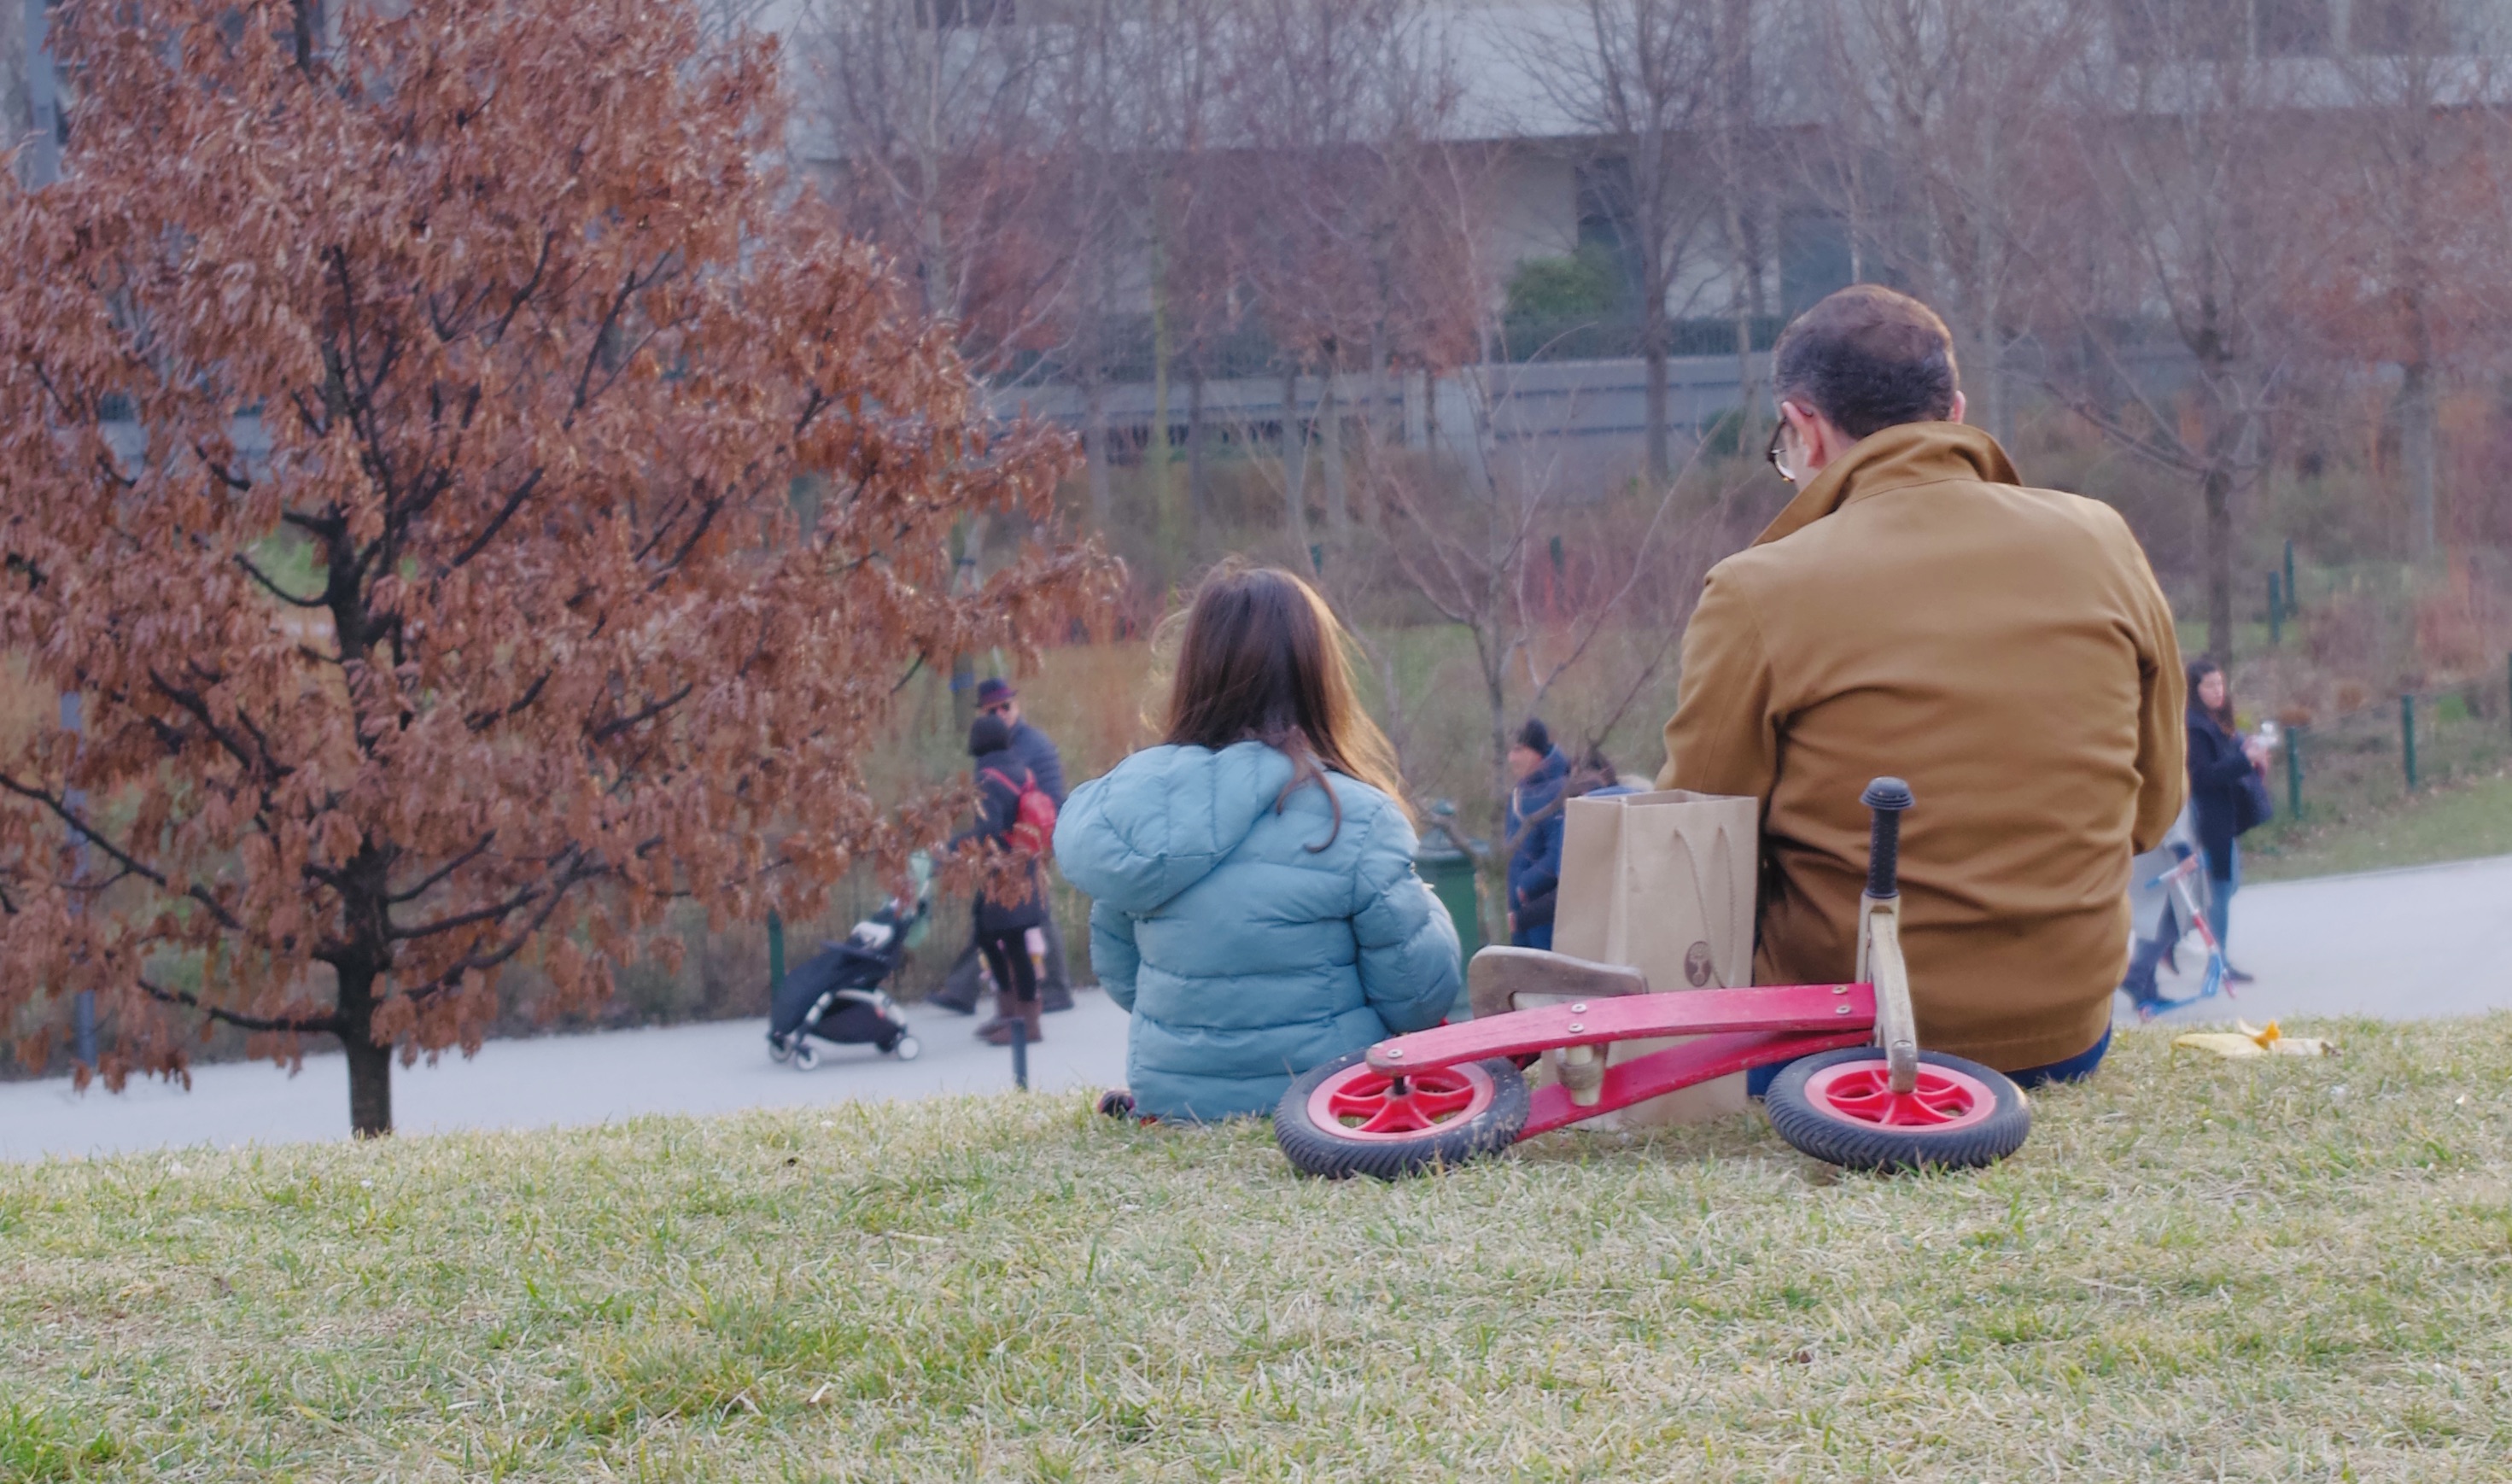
1886 798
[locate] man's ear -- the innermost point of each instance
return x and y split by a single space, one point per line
1955 414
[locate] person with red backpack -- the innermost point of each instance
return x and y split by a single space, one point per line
1015 815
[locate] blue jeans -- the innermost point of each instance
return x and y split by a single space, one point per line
2074 1069
2219 900
1540 936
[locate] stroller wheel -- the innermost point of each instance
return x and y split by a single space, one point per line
906 1048
805 1056
777 1049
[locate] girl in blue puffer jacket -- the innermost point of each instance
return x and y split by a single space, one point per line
1255 904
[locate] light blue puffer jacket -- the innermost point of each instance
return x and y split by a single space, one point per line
1245 958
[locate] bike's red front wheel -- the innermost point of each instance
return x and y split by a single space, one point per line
1840 1107
1347 1119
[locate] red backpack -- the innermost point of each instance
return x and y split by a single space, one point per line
1033 814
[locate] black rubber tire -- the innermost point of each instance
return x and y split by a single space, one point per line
1852 1146
1323 1152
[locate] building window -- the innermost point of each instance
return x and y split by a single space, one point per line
2294 27
2181 30
2401 29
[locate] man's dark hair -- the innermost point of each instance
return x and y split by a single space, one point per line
1536 737
1868 358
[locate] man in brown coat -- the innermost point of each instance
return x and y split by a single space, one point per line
1916 611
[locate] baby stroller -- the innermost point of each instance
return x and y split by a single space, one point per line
836 993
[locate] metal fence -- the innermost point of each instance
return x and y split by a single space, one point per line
2388 750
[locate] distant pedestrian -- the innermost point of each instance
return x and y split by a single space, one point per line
1003 919
2223 793
1036 751
1254 902
1535 913
1531 825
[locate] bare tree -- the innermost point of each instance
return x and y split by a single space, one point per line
2417 220
1942 113
1335 105
2182 164
1643 81
932 127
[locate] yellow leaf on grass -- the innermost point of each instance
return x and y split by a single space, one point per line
2247 1039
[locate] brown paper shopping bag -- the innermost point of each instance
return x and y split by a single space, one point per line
1663 882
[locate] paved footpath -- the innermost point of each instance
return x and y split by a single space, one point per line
2431 941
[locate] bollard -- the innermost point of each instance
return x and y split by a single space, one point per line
2408 738
1020 1054
2276 611
2294 772
776 952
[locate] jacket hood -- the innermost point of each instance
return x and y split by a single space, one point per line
1163 818
1895 459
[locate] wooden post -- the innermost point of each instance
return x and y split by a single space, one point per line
2294 772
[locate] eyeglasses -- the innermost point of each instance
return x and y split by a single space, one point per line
1778 431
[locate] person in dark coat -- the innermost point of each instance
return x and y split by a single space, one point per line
1003 922
1033 747
2220 764
1036 751
1531 826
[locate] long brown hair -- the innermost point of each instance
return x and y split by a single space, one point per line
2199 670
1263 660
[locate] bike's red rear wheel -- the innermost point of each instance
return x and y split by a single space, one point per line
1367 1103
1347 1119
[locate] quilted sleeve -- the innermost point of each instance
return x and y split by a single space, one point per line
1408 944
1114 957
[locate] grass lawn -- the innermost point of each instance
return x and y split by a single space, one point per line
2280 1270
2449 822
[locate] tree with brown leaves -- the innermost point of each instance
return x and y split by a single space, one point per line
473 510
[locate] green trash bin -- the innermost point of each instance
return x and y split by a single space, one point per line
1447 863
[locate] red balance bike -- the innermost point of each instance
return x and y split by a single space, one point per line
1856 1090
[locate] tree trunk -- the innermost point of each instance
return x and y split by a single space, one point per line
1660 457
1094 400
1198 455
2219 564
1295 464
369 1065
2416 439
1330 457
1094 441
1156 447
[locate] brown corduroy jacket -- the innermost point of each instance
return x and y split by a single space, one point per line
1915 611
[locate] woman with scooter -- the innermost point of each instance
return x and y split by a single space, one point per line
2226 797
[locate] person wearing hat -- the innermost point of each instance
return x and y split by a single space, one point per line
1531 827
1036 751
1002 920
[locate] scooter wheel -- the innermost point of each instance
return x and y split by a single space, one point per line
777 1049
907 1048
1347 1119
805 1056
1840 1107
